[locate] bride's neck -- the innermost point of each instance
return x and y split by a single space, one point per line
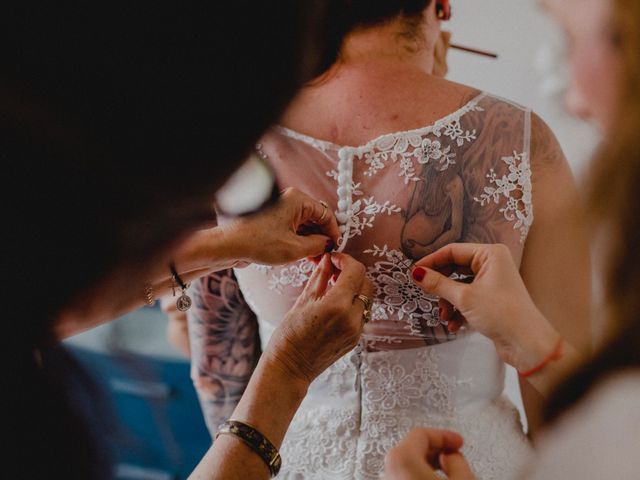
368 57
392 43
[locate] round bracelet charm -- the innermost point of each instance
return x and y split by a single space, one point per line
184 302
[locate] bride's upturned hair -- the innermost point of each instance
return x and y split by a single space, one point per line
615 207
344 16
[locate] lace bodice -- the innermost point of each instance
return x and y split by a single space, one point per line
466 178
401 196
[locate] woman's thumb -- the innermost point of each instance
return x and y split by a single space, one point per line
314 245
455 466
319 280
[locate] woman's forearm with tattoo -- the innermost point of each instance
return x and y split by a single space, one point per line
225 345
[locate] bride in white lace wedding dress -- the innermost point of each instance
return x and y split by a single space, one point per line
463 166
408 370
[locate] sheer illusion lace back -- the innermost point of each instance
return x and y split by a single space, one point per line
401 196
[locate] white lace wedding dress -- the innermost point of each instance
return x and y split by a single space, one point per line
465 178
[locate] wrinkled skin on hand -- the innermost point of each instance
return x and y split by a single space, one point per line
326 321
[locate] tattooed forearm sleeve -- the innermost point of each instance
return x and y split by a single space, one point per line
225 345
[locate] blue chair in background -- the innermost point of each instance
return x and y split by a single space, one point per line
161 433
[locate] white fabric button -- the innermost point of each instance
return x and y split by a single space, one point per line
342 217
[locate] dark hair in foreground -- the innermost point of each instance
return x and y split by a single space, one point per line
614 203
118 120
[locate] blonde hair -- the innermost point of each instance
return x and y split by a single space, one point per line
615 206
615 176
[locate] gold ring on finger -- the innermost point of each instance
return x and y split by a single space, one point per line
364 299
325 207
366 314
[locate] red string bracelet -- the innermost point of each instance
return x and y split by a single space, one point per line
555 355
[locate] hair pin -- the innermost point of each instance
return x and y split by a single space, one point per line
473 50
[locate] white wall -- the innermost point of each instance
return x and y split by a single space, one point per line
530 70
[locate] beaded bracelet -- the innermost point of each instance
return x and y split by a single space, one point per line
556 354
256 441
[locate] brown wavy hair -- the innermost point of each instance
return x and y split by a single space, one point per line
615 210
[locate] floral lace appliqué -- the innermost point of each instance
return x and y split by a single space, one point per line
295 275
409 147
401 149
397 296
364 212
514 189
320 444
455 132
390 386
433 150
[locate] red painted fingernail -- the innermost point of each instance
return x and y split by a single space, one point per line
316 259
418 274
329 247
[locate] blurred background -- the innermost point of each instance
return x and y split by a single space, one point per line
163 433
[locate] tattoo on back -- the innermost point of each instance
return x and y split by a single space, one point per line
443 206
441 209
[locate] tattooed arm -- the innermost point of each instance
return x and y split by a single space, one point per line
225 345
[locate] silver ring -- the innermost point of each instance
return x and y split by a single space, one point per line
324 212
366 314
